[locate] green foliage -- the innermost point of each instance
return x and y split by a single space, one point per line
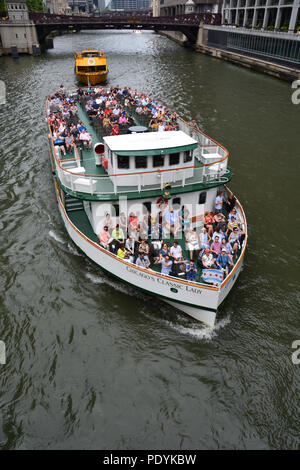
3 6
35 5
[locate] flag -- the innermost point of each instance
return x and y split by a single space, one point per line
212 275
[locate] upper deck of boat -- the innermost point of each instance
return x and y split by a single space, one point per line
207 172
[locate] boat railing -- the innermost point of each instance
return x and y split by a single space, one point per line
210 166
72 176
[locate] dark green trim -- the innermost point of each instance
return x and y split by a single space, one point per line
143 153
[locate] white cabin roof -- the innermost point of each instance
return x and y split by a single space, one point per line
149 141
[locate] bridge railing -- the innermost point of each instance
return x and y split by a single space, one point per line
192 19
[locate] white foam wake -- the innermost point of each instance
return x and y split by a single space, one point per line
56 237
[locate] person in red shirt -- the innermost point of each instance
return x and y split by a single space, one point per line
115 130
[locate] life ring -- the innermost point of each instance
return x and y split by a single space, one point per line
91 61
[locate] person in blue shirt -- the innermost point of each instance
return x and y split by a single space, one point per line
166 265
191 271
223 261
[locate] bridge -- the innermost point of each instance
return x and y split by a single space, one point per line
45 23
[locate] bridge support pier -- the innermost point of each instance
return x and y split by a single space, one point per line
18 39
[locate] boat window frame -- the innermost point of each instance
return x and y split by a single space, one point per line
124 158
162 157
172 156
139 159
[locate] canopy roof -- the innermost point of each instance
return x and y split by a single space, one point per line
150 143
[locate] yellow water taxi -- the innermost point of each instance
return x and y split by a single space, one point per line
91 67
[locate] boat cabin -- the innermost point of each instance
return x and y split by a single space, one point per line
147 154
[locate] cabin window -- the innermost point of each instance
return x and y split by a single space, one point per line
123 162
92 68
176 201
187 156
158 160
141 162
202 198
174 159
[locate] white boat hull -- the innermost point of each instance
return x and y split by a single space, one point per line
198 301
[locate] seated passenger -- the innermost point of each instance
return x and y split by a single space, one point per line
130 247
223 261
192 242
163 252
207 259
204 238
166 265
231 225
191 271
219 218
144 247
122 253
218 233
228 247
234 214
86 139
69 141
104 237
176 251
117 236
236 236
216 247
142 261
208 222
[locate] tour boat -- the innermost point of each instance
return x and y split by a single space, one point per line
91 67
141 173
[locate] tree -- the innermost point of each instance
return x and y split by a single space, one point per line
35 5
3 7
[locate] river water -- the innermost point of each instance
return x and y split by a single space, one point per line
90 362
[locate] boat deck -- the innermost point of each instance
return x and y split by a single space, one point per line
81 221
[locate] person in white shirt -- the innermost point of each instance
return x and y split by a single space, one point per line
86 139
219 201
176 250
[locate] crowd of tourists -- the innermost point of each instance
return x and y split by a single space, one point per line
146 242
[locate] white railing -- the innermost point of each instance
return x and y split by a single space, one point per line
210 165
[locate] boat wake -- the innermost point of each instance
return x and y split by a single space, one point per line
56 237
96 279
200 332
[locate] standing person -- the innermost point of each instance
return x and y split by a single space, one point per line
219 202
193 128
